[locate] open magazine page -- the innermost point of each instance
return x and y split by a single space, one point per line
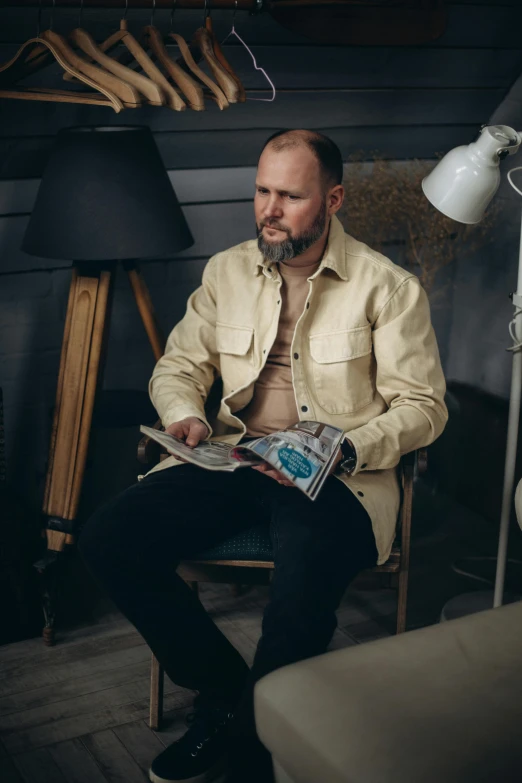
303 453
211 455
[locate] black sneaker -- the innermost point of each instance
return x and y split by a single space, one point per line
200 755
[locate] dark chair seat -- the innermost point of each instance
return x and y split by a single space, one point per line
252 544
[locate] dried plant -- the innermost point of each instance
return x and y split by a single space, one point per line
384 206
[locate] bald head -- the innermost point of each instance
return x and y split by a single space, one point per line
326 152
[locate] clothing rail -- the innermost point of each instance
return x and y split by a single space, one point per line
241 5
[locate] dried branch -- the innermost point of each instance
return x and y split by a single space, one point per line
385 205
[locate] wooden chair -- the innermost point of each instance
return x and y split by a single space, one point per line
246 558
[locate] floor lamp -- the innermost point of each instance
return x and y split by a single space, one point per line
105 197
461 186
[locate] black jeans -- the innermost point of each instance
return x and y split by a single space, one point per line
133 545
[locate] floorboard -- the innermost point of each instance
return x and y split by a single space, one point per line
32 651
142 744
76 763
113 758
8 771
38 766
56 675
38 736
49 695
67 654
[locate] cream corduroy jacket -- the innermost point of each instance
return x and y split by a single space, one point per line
364 358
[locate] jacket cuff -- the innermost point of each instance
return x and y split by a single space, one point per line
179 412
363 452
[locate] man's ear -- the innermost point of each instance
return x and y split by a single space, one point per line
335 199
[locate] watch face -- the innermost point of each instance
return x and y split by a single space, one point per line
347 465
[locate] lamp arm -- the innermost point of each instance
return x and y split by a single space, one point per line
515 397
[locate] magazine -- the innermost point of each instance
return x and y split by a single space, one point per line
303 452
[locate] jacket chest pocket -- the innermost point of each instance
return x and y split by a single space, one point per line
235 345
341 365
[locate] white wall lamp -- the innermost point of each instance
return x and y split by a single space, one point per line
461 186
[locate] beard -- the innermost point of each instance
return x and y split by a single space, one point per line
292 246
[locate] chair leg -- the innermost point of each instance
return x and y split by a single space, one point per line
156 694
402 600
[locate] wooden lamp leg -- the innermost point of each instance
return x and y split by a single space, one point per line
145 308
83 346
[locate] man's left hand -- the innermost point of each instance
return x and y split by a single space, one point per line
268 470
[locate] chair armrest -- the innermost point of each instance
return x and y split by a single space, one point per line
422 460
149 450
419 457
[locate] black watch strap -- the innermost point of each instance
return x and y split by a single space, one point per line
347 450
349 459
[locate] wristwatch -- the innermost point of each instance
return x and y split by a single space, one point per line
349 458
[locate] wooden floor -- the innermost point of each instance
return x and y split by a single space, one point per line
78 712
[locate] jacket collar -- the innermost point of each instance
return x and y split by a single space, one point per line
333 258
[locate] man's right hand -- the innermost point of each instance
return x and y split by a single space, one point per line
191 430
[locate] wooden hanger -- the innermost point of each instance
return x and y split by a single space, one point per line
112 41
174 100
30 58
202 43
187 61
218 52
164 92
162 88
193 91
106 46
150 90
128 94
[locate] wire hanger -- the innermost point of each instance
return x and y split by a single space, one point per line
36 53
153 40
256 66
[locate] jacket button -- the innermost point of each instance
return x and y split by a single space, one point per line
307 305
304 408
278 301
264 350
296 356
360 493
364 465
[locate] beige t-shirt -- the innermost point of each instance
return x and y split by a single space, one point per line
273 406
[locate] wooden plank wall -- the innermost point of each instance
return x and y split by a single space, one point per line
407 102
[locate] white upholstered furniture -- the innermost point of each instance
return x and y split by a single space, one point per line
442 704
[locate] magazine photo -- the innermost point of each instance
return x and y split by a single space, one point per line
303 453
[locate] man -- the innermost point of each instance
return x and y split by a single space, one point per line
305 323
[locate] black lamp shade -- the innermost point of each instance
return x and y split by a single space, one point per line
105 195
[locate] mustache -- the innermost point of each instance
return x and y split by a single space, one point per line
272 225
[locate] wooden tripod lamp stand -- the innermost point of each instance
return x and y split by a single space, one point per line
105 197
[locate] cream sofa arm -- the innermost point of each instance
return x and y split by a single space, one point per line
442 703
